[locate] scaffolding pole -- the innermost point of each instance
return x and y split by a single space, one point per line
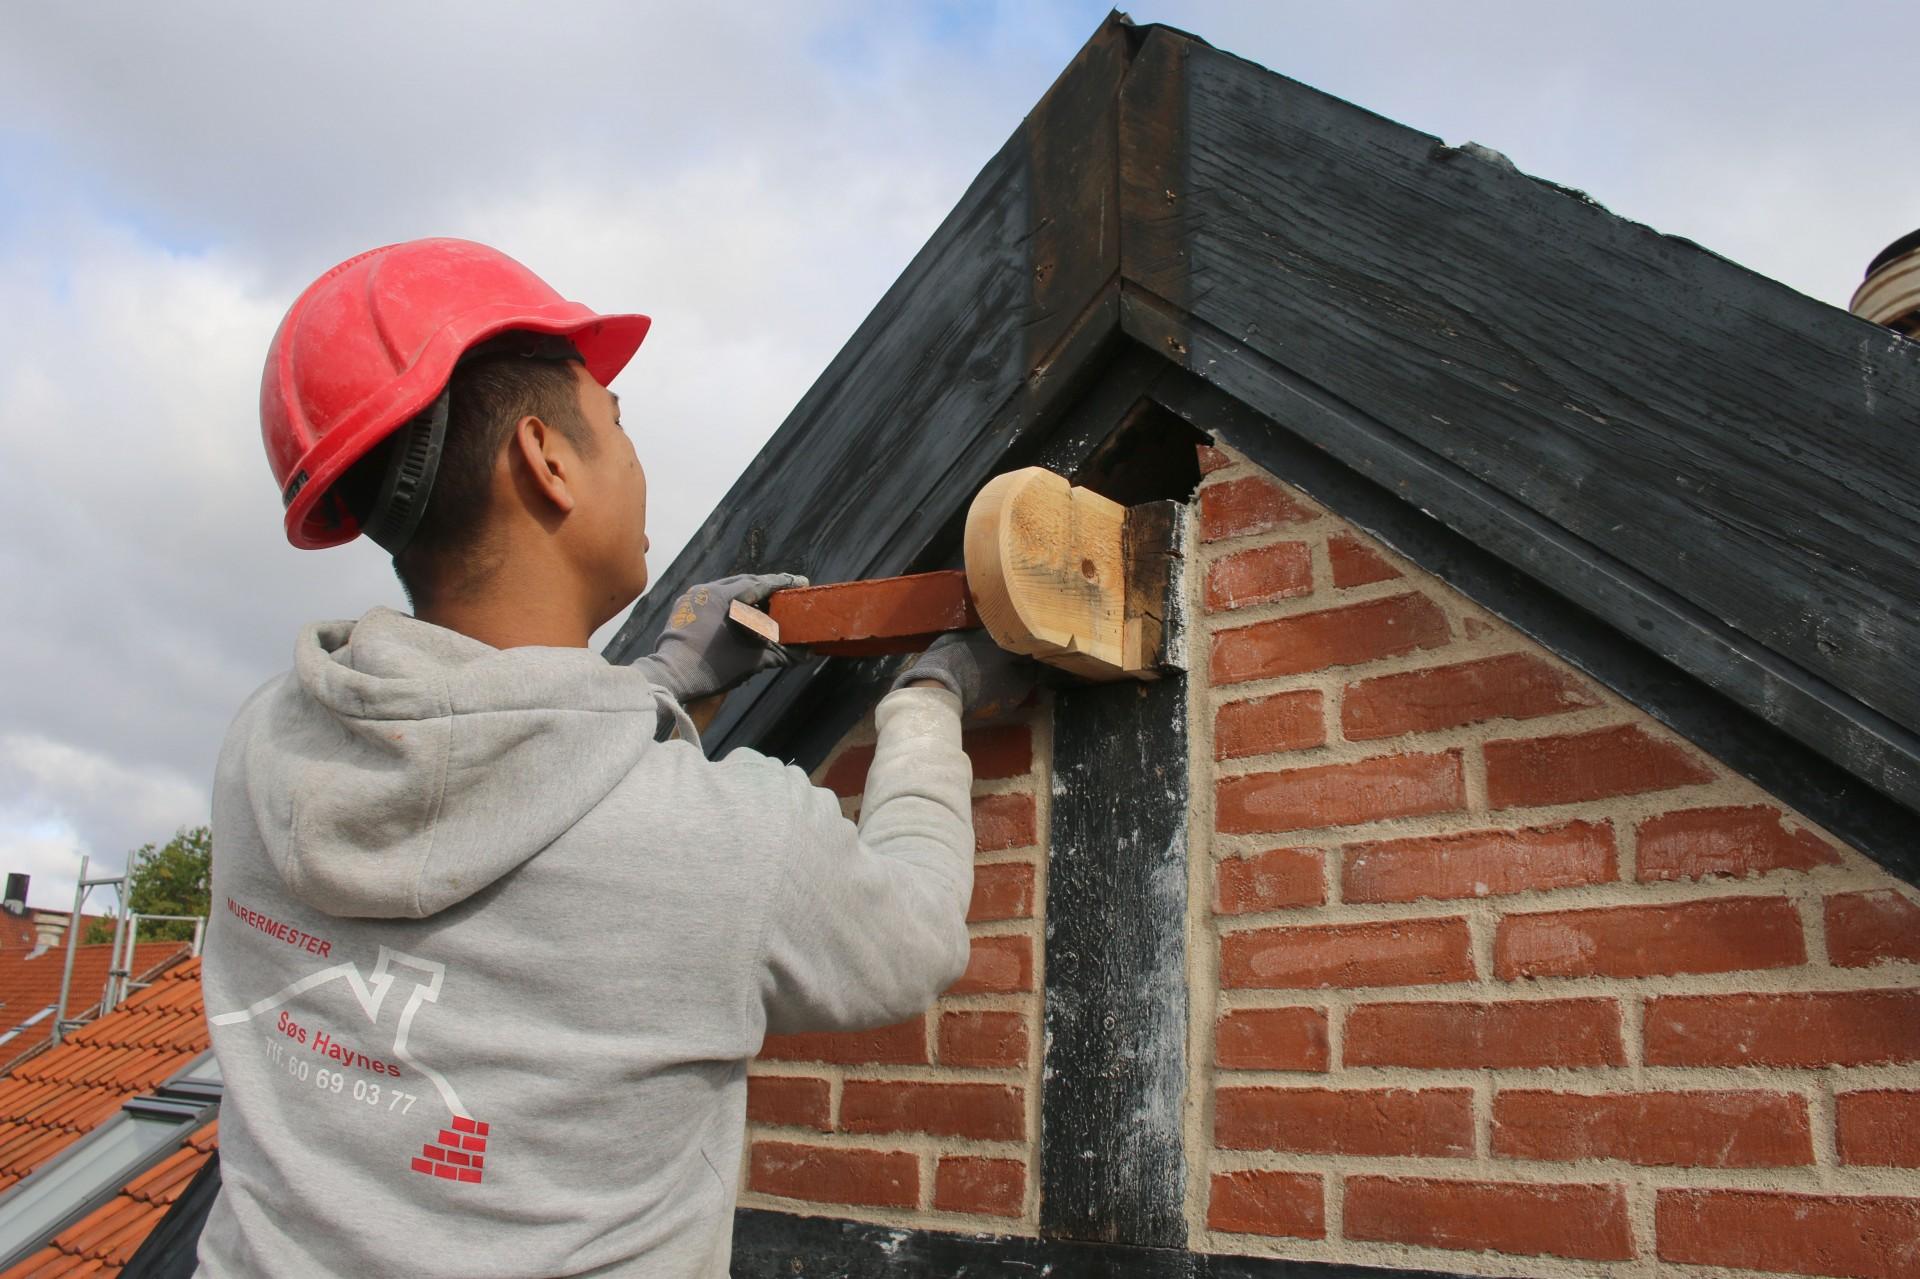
80 890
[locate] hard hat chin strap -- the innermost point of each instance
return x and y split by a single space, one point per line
415 456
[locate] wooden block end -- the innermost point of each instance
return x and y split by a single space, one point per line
751 618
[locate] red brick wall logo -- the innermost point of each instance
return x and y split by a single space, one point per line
460 1154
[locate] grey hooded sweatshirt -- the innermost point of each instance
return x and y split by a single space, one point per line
487 961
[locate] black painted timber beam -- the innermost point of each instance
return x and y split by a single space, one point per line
768 1244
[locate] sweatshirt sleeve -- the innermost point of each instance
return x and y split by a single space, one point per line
868 925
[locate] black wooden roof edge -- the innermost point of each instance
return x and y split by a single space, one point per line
968 359
1726 463
962 365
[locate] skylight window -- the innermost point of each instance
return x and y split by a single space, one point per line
93 1169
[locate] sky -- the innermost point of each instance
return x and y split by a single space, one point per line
752 177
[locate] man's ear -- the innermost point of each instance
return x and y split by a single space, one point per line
547 467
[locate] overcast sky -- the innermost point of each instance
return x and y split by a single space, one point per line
753 176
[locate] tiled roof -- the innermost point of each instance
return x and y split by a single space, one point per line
29 986
53 1099
106 1238
17 932
50 1100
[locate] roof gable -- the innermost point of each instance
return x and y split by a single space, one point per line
1661 445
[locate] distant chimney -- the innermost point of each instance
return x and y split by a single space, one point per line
1890 294
16 899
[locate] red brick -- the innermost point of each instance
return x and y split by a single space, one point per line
1879 1127
847 775
1828 1028
1736 841
1688 1129
1269 881
1271 1039
1861 1237
1513 1034
1003 821
1864 929
1588 1223
999 965
1267 1203
885 608
1261 575
1344 636
1626 760
1355 563
901 1044
1211 459
879 1178
1436 1122
1722 935
780 1099
1516 686
1261 725
1409 952
990 1187
986 1039
1004 750
1001 890
1339 794
1251 505
986 1112
1481 863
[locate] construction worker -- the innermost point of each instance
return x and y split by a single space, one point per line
490 949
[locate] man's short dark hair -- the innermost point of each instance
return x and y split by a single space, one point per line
450 553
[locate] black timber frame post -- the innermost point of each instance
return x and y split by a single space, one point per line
1112 1163
1113 1081
1112 1160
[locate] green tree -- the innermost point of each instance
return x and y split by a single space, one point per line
175 878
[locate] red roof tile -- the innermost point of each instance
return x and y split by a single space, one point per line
51 1099
18 932
54 1096
29 985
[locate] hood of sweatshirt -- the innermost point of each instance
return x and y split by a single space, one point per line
403 767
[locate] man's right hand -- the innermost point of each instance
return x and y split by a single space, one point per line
700 654
987 679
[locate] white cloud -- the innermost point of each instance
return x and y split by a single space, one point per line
49 855
59 801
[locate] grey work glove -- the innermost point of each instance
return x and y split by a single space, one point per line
987 679
701 652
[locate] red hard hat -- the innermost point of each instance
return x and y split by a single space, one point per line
371 344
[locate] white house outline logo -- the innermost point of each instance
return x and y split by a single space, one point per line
371 992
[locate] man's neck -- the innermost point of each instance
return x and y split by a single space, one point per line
513 623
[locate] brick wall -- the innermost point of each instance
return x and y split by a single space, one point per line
1496 974
931 1122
